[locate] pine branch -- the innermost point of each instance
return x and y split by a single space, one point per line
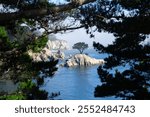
5 18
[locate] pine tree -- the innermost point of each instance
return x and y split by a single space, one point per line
129 21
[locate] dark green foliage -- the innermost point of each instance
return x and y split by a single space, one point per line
27 90
45 68
38 44
129 29
4 41
128 85
26 4
16 65
15 96
31 90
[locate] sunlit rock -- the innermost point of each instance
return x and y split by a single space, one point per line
47 52
57 44
83 60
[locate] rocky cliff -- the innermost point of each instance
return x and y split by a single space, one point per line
57 44
46 53
82 60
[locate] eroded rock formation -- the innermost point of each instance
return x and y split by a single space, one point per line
82 60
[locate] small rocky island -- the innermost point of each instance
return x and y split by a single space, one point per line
82 60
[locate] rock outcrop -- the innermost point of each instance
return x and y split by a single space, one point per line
57 44
82 60
46 53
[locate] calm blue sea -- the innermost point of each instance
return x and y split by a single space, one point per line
77 83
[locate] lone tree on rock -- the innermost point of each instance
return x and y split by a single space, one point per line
81 46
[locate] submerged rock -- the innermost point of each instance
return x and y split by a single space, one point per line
82 60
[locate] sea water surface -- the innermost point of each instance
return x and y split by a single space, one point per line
75 83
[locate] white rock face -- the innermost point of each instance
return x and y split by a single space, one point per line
46 54
83 60
57 44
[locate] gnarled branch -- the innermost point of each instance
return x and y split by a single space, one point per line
6 18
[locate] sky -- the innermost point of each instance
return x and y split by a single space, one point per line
58 1
80 35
